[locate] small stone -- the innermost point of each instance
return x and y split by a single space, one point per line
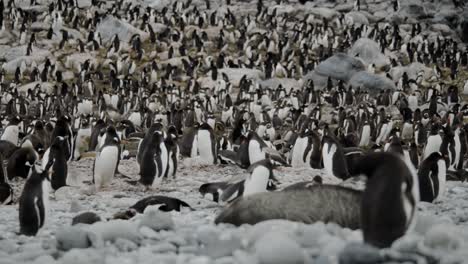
189 249
244 257
80 256
8 246
355 253
125 245
75 207
87 218
278 248
163 247
72 237
157 220
443 238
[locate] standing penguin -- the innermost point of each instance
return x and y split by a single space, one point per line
333 157
256 147
173 153
150 155
260 174
11 132
389 200
434 141
59 168
6 192
207 144
81 139
432 177
107 159
34 200
20 162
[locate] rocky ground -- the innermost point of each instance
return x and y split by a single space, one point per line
191 236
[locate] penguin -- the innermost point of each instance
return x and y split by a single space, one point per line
434 141
150 156
301 151
256 147
260 174
82 138
333 157
96 131
11 132
63 129
390 197
34 200
207 144
59 169
173 154
166 204
107 159
6 192
432 176
20 162
147 139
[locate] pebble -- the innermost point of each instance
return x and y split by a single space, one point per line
73 237
157 220
278 248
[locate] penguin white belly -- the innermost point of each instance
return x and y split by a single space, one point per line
204 147
433 145
114 101
45 159
456 160
381 136
164 158
328 157
170 165
255 152
365 136
407 206
45 199
194 150
104 168
256 182
298 153
442 177
135 118
11 134
81 140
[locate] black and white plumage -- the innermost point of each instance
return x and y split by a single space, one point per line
107 158
34 200
390 198
6 192
432 177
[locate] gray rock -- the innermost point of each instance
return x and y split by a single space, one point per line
207 234
8 246
75 207
369 51
443 238
125 245
245 257
163 247
110 231
340 66
222 248
157 220
80 256
371 82
88 218
276 247
73 237
355 253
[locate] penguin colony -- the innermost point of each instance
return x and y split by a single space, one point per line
171 89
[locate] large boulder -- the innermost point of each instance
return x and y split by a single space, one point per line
371 82
111 26
369 51
340 66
